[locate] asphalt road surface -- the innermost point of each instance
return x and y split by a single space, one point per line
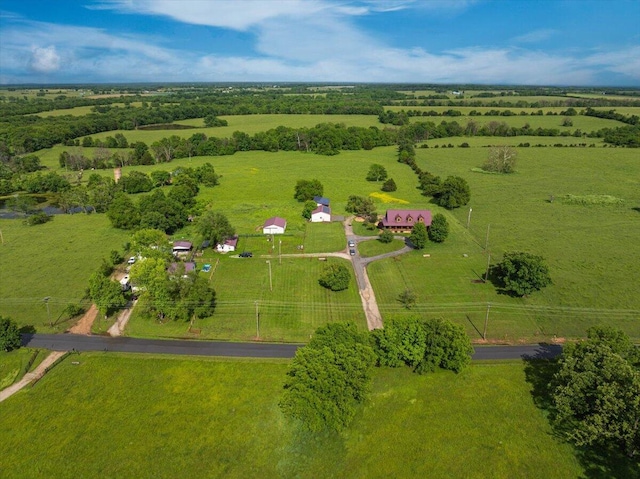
68 342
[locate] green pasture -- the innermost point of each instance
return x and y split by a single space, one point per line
82 110
289 308
534 141
13 364
52 260
371 248
592 251
625 110
250 124
581 122
220 418
257 185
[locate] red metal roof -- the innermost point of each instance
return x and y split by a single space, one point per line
406 218
275 221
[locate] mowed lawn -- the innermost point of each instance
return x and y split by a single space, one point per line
592 251
173 417
290 309
52 260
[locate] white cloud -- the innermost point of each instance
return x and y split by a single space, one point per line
325 46
44 60
626 62
535 36
237 15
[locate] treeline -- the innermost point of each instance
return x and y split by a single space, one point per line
31 133
324 139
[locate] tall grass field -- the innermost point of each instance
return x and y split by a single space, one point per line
168 417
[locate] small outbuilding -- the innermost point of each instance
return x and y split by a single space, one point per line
182 247
227 245
321 200
321 214
274 226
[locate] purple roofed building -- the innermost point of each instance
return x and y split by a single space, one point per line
274 226
402 221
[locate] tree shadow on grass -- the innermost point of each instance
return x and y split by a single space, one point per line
474 326
307 451
598 462
636 209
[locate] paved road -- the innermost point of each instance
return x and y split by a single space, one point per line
68 342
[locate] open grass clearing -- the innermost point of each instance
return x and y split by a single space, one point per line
376 247
52 260
249 124
290 308
219 418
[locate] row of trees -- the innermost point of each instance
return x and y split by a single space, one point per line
596 392
331 375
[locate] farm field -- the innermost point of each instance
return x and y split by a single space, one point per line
292 311
249 124
219 418
52 260
592 251
582 122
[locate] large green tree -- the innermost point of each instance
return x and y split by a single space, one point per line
418 236
214 227
597 392
501 159
9 334
328 378
423 344
438 229
305 190
106 294
360 205
453 193
377 173
522 273
335 277
123 213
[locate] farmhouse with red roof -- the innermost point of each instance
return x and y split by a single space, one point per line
402 221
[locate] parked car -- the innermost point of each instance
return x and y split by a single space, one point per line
352 244
131 260
246 254
352 252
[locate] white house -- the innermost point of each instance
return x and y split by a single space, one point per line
274 226
227 245
321 214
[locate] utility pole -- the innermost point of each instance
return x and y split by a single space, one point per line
486 242
270 283
46 301
486 320
257 321
469 217
280 252
486 274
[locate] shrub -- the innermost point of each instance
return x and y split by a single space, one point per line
9 334
386 236
439 228
335 277
38 219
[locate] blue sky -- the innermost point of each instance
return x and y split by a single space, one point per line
544 42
